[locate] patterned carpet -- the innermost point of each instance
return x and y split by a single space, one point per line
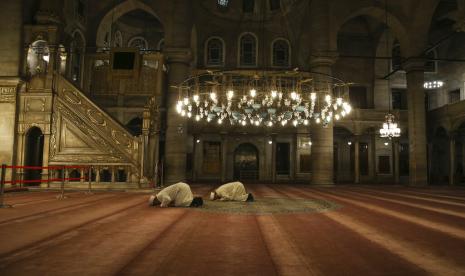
269 205
288 230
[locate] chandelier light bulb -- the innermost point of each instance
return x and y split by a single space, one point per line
270 142
197 118
253 93
318 120
293 95
339 101
270 123
183 113
198 141
295 122
189 114
306 122
213 96
230 94
220 121
328 99
196 98
186 101
244 123
274 94
313 97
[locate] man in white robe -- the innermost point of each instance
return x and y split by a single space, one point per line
233 191
176 195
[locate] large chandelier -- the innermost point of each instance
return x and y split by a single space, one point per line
390 128
265 98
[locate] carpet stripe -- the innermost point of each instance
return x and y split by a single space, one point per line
453 231
427 261
419 206
286 256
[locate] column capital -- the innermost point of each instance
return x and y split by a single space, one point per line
178 55
414 65
323 58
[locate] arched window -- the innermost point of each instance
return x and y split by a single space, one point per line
281 53
77 55
248 50
139 43
396 62
214 52
38 57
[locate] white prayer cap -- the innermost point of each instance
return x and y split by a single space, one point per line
151 199
212 195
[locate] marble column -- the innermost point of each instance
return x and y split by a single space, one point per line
372 158
176 126
224 157
273 158
395 153
416 123
322 138
356 160
451 159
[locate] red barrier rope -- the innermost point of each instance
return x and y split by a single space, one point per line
47 168
44 180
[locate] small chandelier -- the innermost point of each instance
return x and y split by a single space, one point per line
433 84
263 98
390 128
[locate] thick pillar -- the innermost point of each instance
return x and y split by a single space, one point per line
395 153
273 158
322 138
372 158
416 123
224 157
11 29
451 159
357 160
176 131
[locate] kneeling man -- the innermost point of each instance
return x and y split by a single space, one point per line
233 191
177 195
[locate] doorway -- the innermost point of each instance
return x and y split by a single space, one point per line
246 162
34 154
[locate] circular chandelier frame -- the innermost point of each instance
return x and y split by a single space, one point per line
263 98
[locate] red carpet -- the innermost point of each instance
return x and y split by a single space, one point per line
373 231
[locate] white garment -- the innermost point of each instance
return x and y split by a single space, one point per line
234 191
179 193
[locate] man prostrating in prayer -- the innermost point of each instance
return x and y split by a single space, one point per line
233 191
176 195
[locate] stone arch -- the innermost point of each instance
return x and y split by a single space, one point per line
115 13
37 57
394 23
246 161
33 152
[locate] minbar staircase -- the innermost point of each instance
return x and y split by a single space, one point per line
84 134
